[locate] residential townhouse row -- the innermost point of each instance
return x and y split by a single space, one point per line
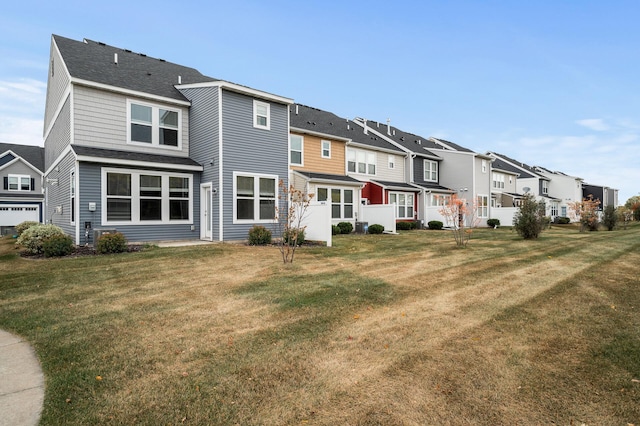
160 151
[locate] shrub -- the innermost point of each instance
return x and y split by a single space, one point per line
562 220
493 223
111 243
345 227
610 218
335 230
259 236
58 245
435 224
530 220
34 237
23 226
375 229
404 225
287 236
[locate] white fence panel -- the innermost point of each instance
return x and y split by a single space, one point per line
317 219
433 213
504 214
380 214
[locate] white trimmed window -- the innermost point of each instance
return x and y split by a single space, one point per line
440 200
261 115
392 162
72 195
545 187
296 144
430 171
554 208
19 183
326 149
146 197
498 181
341 201
154 125
483 206
484 166
404 204
360 161
254 198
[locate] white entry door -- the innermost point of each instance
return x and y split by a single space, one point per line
206 218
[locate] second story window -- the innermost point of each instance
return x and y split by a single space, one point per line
296 142
18 183
360 161
498 181
153 125
326 149
545 187
392 162
261 115
430 171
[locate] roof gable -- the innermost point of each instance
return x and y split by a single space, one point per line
409 141
33 155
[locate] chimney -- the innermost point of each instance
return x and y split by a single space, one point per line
115 58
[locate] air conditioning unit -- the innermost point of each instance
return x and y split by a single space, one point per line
97 233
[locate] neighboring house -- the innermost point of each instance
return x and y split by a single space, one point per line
567 188
21 196
505 198
422 171
531 181
317 159
157 150
608 196
383 165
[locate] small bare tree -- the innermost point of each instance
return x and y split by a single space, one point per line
586 212
461 217
290 213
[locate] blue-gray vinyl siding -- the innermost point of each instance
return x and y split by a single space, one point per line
204 122
58 195
418 170
90 191
57 83
250 150
59 137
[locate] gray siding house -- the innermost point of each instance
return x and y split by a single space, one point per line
21 195
156 150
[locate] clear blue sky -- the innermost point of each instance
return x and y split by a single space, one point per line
550 83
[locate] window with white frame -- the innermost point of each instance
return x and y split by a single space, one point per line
154 125
554 208
19 183
430 171
261 115
545 187
563 209
72 195
392 161
326 149
254 197
361 161
404 204
498 181
296 144
146 197
342 201
484 166
440 200
483 206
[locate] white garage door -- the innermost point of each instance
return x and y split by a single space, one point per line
13 214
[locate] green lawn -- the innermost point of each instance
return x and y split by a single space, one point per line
377 329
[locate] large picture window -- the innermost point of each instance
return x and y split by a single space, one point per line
255 198
154 125
142 197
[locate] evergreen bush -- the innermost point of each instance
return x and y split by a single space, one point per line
259 236
493 222
375 229
111 243
435 224
345 227
57 245
404 225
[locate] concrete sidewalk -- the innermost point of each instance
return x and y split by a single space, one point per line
21 382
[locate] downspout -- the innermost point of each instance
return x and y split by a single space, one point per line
220 170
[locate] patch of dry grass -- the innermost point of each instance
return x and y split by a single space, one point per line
376 330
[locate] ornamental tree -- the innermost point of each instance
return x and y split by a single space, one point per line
461 217
586 212
290 213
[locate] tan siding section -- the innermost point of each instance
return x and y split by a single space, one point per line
312 156
100 121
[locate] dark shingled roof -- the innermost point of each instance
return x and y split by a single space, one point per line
413 143
524 170
450 144
32 154
396 185
332 177
94 61
316 120
432 186
133 156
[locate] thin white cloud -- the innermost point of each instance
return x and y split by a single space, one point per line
596 124
21 111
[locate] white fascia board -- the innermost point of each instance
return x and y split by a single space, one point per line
128 92
375 148
319 134
136 163
239 89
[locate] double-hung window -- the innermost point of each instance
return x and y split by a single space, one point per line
146 197
18 183
404 204
255 197
154 125
483 205
296 143
545 187
261 115
498 181
326 149
430 171
360 161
